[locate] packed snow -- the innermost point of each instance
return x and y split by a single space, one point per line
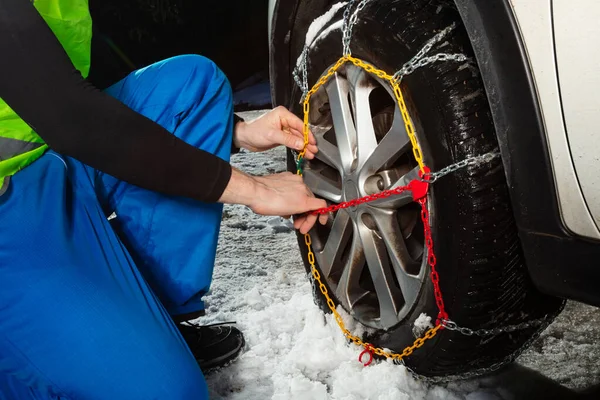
295 352
318 25
421 324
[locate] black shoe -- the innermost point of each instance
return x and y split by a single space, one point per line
214 346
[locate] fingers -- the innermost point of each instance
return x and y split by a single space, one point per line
292 141
311 151
323 218
311 136
308 223
311 148
289 120
305 222
279 137
284 194
294 125
298 221
310 219
314 204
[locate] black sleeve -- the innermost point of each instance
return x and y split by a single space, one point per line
39 82
236 119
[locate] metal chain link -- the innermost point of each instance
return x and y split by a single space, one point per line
543 324
349 22
429 45
348 25
346 33
408 69
452 326
302 82
420 60
475 160
428 177
304 71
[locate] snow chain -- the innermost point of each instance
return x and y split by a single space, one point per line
418 187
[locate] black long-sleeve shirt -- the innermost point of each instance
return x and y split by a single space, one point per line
39 82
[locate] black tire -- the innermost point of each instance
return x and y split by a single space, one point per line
483 276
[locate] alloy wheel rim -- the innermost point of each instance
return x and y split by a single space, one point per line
372 255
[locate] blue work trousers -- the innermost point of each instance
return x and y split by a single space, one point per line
86 305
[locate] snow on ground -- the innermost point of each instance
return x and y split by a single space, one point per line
569 350
295 352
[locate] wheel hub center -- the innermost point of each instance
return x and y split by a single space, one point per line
351 192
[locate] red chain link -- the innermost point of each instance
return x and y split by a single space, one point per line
432 261
362 200
419 190
368 351
417 187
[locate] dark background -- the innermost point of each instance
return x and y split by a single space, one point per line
130 34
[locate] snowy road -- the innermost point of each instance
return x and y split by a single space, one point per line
294 352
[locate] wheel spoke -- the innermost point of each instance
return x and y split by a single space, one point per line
329 154
322 186
402 262
393 144
371 256
345 133
336 242
361 87
389 296
348 290
406 178
401 199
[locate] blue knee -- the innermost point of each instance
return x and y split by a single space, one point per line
195 78
202 102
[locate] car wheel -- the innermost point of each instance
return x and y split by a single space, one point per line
372 257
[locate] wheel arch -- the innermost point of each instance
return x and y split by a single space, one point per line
558 262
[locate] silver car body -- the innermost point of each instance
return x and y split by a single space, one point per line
560 47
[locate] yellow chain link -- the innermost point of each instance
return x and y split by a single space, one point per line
410 129
376 350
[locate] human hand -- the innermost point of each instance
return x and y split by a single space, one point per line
277 127
285 194
280 195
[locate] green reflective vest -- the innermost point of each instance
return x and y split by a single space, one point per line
71 22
